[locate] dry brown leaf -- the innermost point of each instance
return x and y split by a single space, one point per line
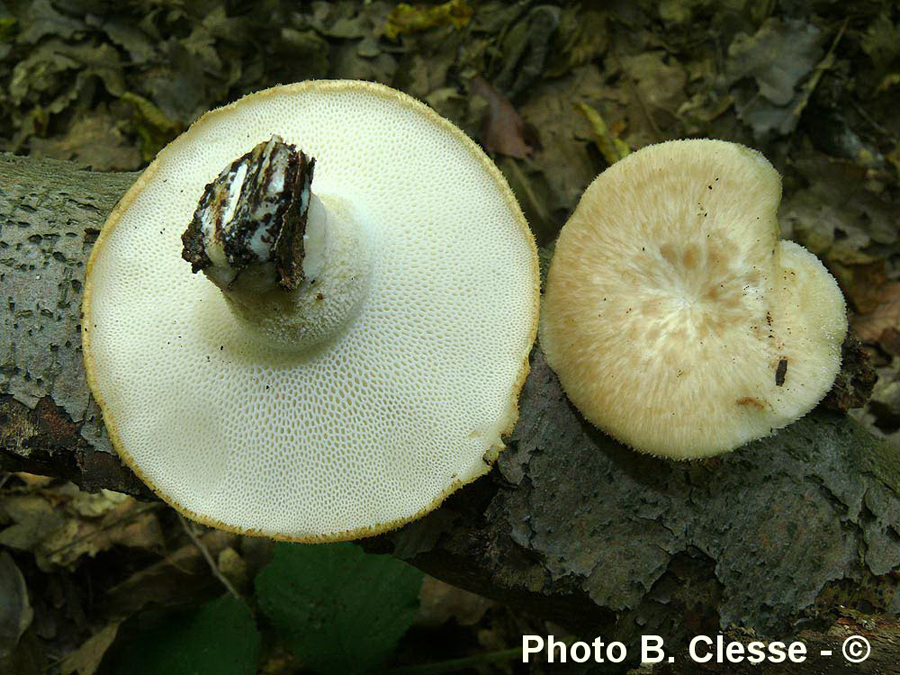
862 282
96 504
882 323
60 523
15 609
98 522
86 659
441 602
890 341
95 141
502 129
181 578
550 183
660 80
33 519
234 568
32 480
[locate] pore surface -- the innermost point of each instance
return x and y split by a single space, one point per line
399 409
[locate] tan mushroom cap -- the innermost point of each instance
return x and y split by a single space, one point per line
378 425
676 319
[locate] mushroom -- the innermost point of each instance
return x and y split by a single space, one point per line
675 318
360 350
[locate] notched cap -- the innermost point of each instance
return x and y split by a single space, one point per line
675 318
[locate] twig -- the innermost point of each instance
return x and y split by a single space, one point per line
208 556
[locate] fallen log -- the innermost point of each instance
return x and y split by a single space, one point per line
570 525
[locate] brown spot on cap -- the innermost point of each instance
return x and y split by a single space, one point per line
749 400
690 256
667 252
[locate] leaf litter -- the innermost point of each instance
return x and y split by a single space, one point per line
555 92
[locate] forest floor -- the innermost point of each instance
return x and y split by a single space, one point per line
555 93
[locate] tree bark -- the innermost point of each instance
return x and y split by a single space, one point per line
51 214
570 525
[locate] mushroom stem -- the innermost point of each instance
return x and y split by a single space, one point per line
292 266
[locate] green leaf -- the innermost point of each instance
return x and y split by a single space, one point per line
7 29
220 638
342 610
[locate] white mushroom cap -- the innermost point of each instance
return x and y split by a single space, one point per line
375 426
675 318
